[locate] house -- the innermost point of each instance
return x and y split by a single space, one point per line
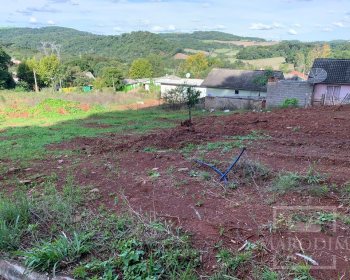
331 81
171 82
228 88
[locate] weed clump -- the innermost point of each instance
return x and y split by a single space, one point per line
313 182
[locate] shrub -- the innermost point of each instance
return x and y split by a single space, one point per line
290 103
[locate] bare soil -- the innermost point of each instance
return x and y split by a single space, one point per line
162 183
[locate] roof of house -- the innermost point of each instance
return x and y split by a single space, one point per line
296 75
179 82
338 70
238 79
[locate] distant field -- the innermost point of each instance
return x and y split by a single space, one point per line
274 62
227 52
243 43
195 51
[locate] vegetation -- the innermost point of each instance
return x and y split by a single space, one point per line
141 68
197 65
102 246
312 181
6 80
181 95
290 102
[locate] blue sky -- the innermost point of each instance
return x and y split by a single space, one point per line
306 20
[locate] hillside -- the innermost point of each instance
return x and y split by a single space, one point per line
24 42
125 47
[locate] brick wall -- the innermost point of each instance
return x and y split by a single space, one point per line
277 92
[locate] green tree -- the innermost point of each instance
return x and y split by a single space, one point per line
183 95
311 56
113 78
158 65
141 68
196 64
48 69
26 75
300 62
6 80
192 98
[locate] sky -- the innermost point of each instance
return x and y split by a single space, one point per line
306 20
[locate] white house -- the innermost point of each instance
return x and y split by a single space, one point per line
167 84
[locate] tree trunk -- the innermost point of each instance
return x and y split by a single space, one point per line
36 83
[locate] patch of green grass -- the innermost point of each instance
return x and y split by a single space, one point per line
225 146
313 182
230 263
301 272
154 174
268 274
286 182
27 139
14 220
49 256
96 245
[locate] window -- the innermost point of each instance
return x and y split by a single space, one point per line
236 91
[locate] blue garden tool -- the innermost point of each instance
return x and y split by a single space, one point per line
223 175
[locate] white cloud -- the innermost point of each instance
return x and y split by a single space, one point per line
338 24
171 27
260 26
327 29
33 20
51 22
292 31
297 25
117 29
159 29
277 25
220 27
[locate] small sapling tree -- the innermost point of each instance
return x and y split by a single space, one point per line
183 95
192 98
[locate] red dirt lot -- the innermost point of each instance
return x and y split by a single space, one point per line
167 184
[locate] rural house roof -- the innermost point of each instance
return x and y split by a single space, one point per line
237 79
338 70
180 82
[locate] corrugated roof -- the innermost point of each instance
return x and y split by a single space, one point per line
179 82
238 79
338 70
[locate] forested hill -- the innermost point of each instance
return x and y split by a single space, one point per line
125 47
25 42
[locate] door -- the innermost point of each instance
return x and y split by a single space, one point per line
332 96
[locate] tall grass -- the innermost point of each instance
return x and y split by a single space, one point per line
14 219
106 98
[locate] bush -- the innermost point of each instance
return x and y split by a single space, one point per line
290 103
